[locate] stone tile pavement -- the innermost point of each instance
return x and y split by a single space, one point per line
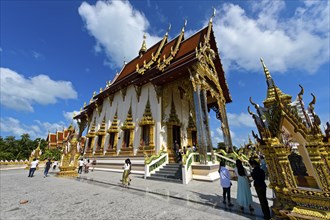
74 198
199 192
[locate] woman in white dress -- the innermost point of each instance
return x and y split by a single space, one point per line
244 196
127 171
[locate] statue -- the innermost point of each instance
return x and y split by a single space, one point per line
71 153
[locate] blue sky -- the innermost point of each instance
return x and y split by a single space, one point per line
55 54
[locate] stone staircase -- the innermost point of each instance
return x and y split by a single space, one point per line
169 173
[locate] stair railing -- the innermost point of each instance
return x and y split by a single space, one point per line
187 168
155 165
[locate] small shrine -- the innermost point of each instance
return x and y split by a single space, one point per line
71 153
297 153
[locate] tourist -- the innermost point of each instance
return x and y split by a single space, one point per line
47 167
93 164
184 150
258 176
244 196
55 164
87 165
179 156
263 165
81 164
225 182
33 167
194 147
127 171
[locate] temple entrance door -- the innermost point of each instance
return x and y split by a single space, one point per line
176 135
194 137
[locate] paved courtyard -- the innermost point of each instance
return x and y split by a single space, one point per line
99 195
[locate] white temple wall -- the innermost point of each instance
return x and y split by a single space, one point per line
155 107
182 111
138 109
109 112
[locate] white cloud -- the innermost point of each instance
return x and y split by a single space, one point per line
118 29
240 120
69 115
37 55
20 93
16 128
301 41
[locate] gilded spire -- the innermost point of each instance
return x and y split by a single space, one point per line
267 74
144 45
273 91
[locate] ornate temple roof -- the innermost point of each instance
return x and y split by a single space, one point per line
163 62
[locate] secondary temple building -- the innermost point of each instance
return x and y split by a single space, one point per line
159 98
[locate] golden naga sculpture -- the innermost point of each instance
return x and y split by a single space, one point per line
70 155
297 153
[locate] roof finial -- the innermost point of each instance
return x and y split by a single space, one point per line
213 15
185 24
144 46
168 30
267 74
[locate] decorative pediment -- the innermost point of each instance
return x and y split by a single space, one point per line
147 116
128 124
114 125
102 131
91 132
174 120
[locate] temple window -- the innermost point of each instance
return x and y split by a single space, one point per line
112 140
145 135
99 141
126 140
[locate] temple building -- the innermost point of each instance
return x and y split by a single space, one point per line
161 97
56 140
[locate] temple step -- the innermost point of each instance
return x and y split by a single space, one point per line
126 152
146 150
169 173
111 152
164 179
